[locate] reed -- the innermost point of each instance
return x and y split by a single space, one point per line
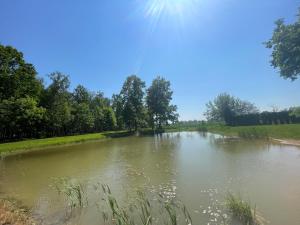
243 211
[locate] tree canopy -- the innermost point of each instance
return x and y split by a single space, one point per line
30 109
224 107
159 96
132 95
17 78
285 45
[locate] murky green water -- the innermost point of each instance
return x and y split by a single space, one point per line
199 169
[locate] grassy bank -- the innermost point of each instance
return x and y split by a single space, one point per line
284 131
11 147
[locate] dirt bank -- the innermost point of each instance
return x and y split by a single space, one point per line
288 142
10 214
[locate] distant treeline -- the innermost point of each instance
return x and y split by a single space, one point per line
29 109
265 118
236 112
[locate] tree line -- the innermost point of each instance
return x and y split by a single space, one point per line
29 109
236 112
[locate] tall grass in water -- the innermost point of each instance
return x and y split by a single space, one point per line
253 133
144 211
243 211
147 208
73 192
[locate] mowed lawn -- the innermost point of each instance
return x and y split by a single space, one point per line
46 142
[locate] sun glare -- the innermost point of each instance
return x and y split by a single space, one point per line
156 8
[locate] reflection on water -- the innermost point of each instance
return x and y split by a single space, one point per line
198 168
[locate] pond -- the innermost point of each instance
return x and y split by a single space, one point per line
199 169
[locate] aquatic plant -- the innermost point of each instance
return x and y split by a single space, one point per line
73 192
243 211
253 133
202 128
144 210
148 208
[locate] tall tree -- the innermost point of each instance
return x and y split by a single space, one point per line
57 101
98 105
132 95
109 119
82 95
285 44
17 78
20 118
224 107
82 116
83 119
159 96
117 106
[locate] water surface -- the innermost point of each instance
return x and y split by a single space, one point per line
197 168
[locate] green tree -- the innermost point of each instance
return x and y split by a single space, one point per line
57 101
159 96
132 95
295 111
21 118
17 78
285 44
83 119
117 106
109 119
82 95
224 107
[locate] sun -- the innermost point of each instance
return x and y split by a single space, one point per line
156 8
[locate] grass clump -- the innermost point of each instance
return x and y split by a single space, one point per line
243 211
74 192
253 133
144 210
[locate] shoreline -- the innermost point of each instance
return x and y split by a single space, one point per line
10 213
28 146
287 142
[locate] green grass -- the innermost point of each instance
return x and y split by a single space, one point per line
243 211
143 209
12 147
284 131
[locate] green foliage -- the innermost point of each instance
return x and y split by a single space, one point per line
284 131
20 118
253 133
83 119
28 110
132 95
56 100
17 78
109 119
81 95
40 144
285 44
242 210
72 191
295 112
117 106
159 96
225 107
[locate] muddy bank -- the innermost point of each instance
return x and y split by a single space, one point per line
288 142
11 214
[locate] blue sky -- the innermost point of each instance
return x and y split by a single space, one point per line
204 47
